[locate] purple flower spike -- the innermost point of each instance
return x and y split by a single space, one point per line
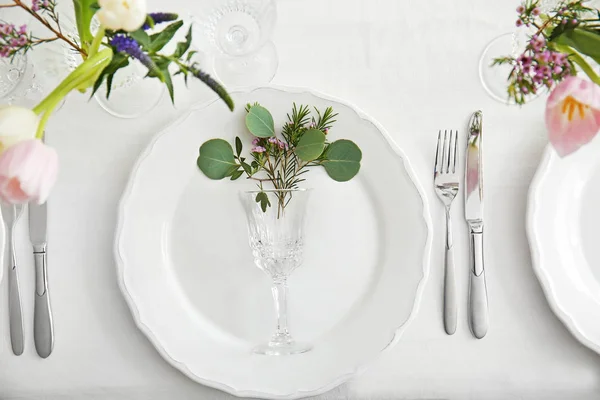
128 45
159 18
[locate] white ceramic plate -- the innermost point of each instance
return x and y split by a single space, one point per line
563 222
186 270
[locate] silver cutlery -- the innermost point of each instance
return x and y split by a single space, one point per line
43 329
478 301
446 183
10 215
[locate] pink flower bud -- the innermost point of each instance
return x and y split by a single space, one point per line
28 171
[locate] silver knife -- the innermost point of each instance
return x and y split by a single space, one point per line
43 329
478 301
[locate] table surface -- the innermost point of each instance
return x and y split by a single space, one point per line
412 65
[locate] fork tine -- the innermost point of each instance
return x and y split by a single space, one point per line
446 153
438 157
454 156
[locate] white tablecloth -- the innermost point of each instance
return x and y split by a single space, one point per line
413 65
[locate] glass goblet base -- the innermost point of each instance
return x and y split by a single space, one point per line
282 345
254 69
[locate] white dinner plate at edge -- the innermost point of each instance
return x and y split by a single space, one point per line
562 227
185 268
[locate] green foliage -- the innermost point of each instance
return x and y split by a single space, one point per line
585 42
160 39
342 160
216 159
263 199
283 163
311 145
259 122
84 12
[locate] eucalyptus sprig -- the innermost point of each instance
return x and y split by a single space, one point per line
281 160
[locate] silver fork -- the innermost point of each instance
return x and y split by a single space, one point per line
10 215
446 183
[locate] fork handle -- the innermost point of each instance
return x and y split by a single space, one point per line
15 313
450 303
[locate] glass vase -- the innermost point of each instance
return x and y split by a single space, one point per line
276 236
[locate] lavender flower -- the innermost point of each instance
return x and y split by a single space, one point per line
520 9
536 11
255 141
129 46
273 140
258 149
159 18
212 84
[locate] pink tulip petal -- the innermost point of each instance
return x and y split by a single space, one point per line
573 115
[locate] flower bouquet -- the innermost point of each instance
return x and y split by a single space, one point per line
127 33
564 44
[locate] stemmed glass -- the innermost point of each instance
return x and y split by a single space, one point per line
513 43
239 32
276 237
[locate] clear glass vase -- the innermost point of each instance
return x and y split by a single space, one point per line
276 238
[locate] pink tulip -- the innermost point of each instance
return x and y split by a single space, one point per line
572 114
28 172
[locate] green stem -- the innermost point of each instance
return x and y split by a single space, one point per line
97 40
579 60
82 74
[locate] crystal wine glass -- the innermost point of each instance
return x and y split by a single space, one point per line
239 32
493 78
276 238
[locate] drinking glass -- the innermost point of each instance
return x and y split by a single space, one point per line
276 238
239 33
12 71
494 78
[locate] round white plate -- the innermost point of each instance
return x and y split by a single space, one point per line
186 269
562 225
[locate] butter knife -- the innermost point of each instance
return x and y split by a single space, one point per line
478 300
43 329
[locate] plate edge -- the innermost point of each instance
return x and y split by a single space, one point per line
535 251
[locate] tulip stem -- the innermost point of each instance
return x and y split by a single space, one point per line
97 41
83 75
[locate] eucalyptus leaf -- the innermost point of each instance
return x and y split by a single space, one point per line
585 42
259 122
160 39
216 159
238 146
311 145
342 160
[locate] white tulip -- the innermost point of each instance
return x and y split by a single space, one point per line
128 15
16 125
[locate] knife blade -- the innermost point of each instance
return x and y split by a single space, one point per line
478 301
43 329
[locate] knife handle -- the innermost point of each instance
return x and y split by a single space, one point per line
478 300
43 329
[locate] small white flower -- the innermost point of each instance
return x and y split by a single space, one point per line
128 15
16 125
